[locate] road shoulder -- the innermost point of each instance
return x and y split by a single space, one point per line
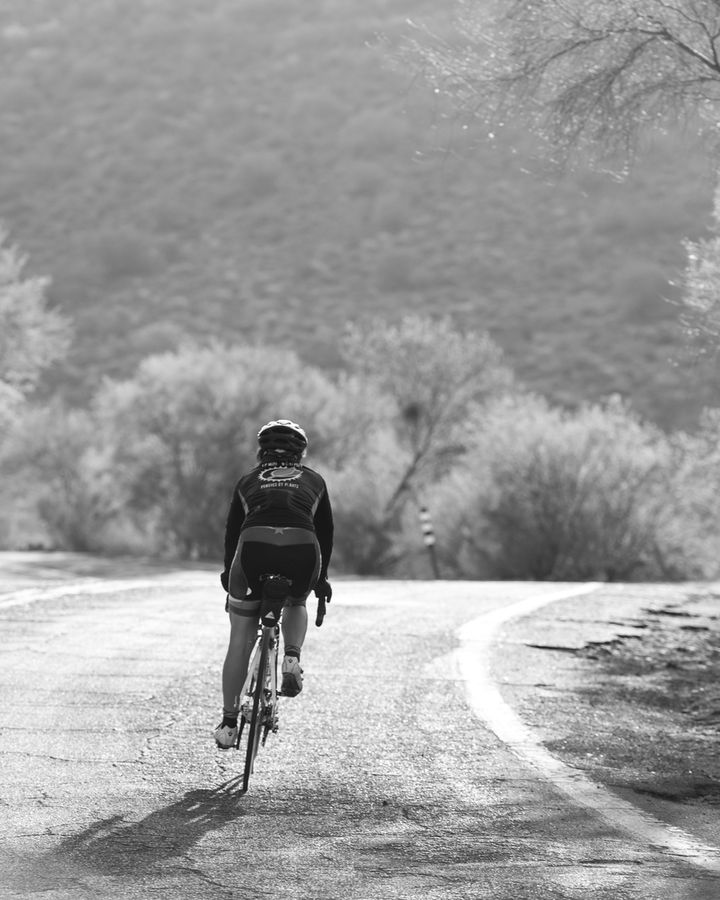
623 684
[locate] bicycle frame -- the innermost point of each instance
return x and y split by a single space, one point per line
259 695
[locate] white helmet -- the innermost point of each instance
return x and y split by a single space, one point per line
282 434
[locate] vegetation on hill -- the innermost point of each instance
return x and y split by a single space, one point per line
423 417
257 170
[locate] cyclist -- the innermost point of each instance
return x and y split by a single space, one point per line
279 522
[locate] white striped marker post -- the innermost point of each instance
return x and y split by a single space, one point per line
429 538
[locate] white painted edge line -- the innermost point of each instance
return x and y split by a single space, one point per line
473 655
99 586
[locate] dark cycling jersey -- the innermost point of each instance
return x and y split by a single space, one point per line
281 496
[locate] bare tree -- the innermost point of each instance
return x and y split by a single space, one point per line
588 76
701 289
431 375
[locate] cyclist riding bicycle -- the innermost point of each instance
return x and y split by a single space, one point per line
279 522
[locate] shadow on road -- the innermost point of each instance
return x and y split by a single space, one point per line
114 846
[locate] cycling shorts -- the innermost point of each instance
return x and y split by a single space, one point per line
264 550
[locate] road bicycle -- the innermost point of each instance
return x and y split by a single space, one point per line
260 694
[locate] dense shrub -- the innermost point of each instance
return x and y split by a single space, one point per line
61 466
688 536
552 494
365 531
183 429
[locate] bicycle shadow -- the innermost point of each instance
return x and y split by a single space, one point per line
113 846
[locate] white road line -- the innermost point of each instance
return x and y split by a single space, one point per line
104 586
486 702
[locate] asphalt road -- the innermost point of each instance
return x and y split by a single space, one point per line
383 781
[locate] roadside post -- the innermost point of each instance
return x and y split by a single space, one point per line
429 538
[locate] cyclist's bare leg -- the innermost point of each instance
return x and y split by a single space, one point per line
294 627
243 630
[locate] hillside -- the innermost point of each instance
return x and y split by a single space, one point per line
256 170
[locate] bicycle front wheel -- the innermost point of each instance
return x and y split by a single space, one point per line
255 730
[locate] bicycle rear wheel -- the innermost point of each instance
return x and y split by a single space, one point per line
256 725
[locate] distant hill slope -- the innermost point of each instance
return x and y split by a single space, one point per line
255 170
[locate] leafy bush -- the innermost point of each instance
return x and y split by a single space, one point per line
365 540
61 465
557 495
151 467
688 536
183 429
